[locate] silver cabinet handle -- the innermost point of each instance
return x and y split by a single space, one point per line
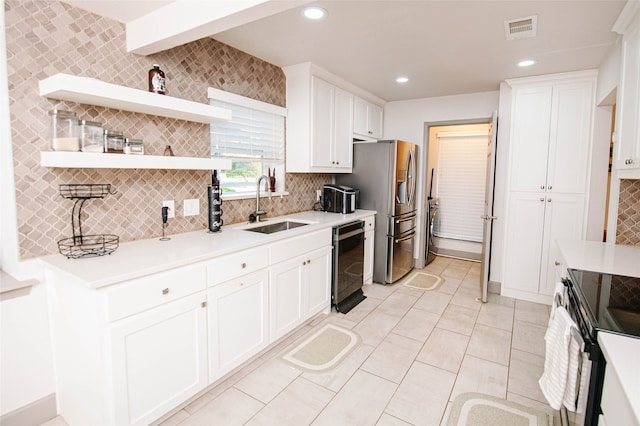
548 200
541 198
541 186
304 263
165 291
549 187
557 263
203 304
243 265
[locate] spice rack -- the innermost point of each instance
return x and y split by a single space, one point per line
81 245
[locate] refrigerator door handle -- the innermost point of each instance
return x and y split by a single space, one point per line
412 167
406 219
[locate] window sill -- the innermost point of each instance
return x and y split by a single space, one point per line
249 196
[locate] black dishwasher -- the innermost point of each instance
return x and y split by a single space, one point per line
348 266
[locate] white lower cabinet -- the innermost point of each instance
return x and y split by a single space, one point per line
369 235
238 322
299 288
129 353
159 359
535 222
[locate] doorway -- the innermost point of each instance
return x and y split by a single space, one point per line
455 186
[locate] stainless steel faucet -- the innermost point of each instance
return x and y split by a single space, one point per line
259 212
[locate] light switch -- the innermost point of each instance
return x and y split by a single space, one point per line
192 207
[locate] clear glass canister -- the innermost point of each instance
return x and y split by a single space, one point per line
133 146
64 131
91 136
113 141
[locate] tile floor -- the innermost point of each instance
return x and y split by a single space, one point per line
419 350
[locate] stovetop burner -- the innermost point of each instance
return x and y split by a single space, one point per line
613 301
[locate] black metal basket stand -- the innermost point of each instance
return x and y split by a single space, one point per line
81 245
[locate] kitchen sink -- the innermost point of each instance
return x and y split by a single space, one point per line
276 227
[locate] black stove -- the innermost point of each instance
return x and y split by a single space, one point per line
611 302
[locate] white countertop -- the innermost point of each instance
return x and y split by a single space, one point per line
621 354
139 258
601 257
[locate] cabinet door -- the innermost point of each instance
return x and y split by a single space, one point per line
627 145
159 359
360 121
570 138
238 322
523 249
564 219
530 138
343 131
318 282
322 123
285 297
375 121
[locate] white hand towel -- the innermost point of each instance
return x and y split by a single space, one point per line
585 378
573 373
553 382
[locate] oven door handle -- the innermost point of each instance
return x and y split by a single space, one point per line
350 234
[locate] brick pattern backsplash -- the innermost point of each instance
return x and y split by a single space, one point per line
628 227
49 37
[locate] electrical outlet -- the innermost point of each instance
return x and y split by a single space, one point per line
191 207
318 195
172 208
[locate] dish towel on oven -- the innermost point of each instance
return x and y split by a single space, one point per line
556 376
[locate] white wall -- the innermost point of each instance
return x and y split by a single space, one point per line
406 120
609 76
26 361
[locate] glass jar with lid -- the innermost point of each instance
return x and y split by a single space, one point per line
91 136
113 141
64 131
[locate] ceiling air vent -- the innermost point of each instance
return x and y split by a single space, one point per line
521 28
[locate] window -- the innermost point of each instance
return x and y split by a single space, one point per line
253 140
462 168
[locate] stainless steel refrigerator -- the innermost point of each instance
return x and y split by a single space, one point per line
385 173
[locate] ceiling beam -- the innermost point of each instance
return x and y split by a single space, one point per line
183 21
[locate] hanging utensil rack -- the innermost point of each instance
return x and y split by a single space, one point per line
81 245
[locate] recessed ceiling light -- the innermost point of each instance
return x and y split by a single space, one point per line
402 79
314 13
526 63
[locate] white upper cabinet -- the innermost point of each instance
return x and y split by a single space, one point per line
551 137
332 115
367 120
627 134
320 120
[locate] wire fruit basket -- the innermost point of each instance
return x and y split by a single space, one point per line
80 245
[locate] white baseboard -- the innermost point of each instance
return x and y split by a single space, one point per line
35 413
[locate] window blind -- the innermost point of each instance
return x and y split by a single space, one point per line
462 162
250 135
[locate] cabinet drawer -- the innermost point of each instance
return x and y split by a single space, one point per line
144 293
292 247
234 265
